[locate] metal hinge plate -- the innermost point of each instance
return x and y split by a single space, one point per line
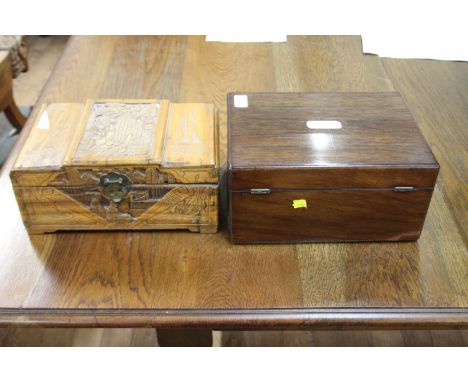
260 191
264 191
403 189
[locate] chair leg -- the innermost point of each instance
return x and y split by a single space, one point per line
14 115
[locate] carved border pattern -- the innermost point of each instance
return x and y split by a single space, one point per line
136 202
90 176
193 202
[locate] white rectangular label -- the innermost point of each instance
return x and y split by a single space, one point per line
325 125
241 100
245 37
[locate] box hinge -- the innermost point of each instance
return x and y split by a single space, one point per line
403 189
260 191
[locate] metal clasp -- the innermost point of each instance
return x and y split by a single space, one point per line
115 186
260 191
403 188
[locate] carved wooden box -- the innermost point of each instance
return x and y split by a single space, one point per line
120 164
326 167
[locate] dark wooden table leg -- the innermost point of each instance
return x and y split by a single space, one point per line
7 102
185 337
14 115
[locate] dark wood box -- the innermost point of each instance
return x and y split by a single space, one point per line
366 174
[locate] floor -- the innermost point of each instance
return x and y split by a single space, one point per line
44 53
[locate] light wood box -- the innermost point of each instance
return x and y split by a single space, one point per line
120 164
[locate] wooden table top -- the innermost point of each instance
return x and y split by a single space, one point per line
174 279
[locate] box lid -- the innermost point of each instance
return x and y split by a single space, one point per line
349 140
178 138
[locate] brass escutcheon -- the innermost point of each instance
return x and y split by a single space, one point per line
114 186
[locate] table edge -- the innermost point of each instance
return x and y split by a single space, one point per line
322 318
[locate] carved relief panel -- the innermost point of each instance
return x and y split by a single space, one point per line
118 130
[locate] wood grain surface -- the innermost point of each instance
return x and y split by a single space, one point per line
47 148
438 93
377 129
147 337
186 280
329 215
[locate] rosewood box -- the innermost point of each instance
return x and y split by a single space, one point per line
120 164
326 167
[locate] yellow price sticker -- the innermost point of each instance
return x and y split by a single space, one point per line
299 203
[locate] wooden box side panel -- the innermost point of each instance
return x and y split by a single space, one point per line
333 177
90 176
334 215
49 209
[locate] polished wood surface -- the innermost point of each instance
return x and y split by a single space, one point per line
323 178
329 215
377 129
438 94
179 279
147 337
